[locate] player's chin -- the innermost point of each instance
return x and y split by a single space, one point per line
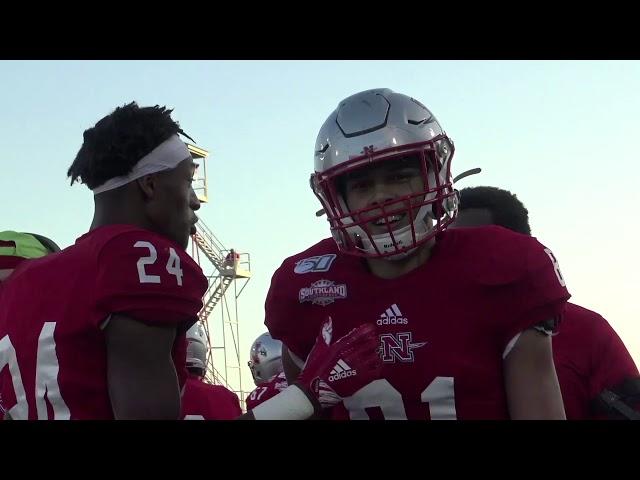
183 241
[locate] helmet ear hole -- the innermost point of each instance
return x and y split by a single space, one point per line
443 149
449 204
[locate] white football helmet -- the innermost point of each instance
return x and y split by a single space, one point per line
265 358
197 347
383 126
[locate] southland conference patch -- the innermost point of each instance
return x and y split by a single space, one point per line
322 292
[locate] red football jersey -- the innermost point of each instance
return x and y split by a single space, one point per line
202 401
52 347
267 390
589 358
444 327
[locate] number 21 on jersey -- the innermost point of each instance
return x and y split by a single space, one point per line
439 396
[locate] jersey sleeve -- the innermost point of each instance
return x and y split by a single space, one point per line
538 294
148 278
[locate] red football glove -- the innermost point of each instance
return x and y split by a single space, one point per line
334 371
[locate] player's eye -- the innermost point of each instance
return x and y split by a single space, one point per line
360 183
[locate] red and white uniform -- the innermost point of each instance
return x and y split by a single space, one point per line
52 347
203 401
444 327
267 390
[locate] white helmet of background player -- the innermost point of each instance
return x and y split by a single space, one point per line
266 358
197 349
378 126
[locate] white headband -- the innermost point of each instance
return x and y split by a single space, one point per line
165 156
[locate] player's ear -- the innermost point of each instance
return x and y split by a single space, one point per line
148 185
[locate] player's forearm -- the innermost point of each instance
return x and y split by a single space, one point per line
541 400
151 403
151 393
531 382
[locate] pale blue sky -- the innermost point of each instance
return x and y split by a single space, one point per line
560 134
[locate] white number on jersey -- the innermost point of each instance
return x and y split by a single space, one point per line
556 266
46 380
173 264
439 395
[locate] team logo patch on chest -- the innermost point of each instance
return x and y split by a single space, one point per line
322 292
398 346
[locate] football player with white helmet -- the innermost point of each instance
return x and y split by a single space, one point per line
457 312
266 369
201 400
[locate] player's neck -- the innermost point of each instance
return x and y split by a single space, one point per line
117 210
389 269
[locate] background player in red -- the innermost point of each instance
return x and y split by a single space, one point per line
266 369
104 336
463 317
589 355
201 400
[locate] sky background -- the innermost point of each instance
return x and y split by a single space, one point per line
560 134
